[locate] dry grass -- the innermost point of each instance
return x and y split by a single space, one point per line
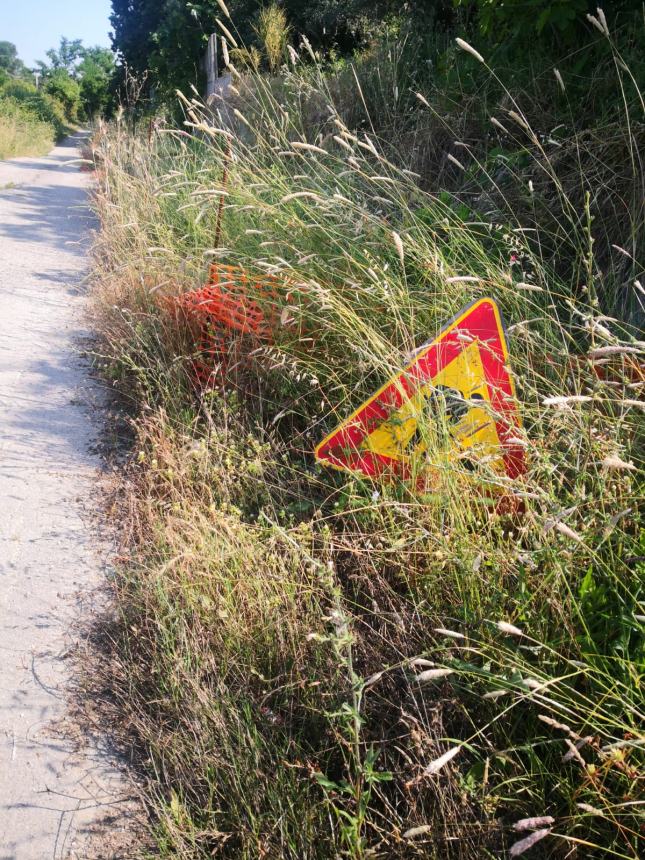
21 134
316 665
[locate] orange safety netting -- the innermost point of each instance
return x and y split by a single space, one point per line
231 301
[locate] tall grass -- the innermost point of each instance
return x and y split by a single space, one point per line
273 32
21 132
314 664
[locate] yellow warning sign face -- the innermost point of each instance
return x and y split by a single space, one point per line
449 414
455 399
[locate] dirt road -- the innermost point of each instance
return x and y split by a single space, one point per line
58 798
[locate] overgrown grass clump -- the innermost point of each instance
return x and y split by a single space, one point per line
30 121
22 132
316 665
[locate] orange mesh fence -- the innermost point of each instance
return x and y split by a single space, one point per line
231 302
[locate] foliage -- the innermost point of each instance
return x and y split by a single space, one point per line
11 66
77 84
43 106
273 32
312 664
65 57
9 60
96 71
168 38
79 78
552 19
65 89
21 130
8 56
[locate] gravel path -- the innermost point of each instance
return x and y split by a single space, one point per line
59 796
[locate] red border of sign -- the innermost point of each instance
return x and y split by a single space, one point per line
482 320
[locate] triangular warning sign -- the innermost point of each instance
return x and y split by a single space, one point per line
463 381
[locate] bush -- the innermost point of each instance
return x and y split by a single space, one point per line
41 104
273 31
21 132
66 91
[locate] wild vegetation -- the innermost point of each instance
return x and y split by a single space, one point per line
35 112
21 131
313 664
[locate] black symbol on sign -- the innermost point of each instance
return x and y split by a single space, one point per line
448 402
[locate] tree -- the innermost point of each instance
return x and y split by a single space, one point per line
67 55
65 89
11 66
168 38
560 21
79 78
95 72
9 57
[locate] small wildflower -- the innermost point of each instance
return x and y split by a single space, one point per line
310 50
225 55
498 124
342 142
603 351
585 807
298 195
567 532
522 285
519 120
573 753
614 462
597 24
566 401
293 55
601 17
373 679
226 32
310 147
554 724
420 662
495 694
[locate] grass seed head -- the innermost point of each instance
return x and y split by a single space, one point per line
469 50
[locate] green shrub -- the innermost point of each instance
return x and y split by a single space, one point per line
38 102
273 30
21 131
65 90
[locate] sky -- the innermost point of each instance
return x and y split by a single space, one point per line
34 26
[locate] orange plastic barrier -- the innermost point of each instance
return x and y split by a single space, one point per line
231 301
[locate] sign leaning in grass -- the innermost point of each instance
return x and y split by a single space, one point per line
456 399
